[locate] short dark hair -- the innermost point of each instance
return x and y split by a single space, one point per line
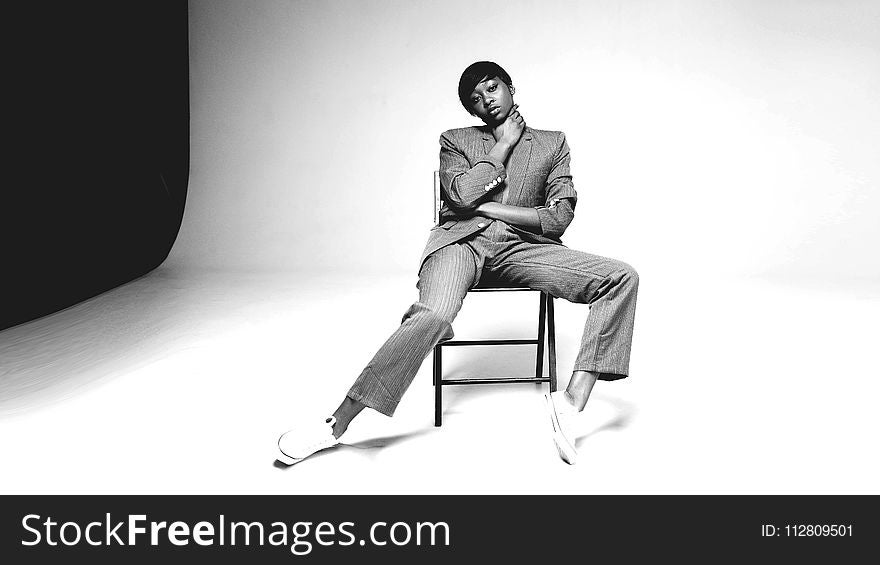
474 75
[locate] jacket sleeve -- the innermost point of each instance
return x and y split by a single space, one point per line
464 186
558 211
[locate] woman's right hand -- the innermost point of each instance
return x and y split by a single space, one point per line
510 130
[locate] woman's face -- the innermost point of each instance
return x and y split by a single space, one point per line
491 101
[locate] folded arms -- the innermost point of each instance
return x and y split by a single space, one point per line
468 190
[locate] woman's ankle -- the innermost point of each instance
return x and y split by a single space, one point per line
579 388
344 414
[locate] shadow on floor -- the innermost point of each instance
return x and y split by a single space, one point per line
368 447
624 412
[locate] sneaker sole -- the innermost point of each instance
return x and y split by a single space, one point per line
288 460
566 451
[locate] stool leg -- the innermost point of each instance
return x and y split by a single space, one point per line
551 335
438 385
542 320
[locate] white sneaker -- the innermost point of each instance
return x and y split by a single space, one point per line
303 441
561 412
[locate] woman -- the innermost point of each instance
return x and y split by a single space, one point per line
508 199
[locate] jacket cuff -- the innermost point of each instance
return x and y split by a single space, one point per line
495 176
555 217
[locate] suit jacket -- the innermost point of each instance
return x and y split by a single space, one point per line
536 174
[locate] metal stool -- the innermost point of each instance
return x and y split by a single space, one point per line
546 324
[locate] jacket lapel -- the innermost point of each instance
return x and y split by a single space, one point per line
517 162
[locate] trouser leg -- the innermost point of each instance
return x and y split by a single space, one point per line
609 286
444 280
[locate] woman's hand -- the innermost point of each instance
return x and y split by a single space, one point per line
510 130
486 209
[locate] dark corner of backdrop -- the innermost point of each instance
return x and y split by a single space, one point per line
98 149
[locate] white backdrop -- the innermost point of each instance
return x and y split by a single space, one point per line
731 137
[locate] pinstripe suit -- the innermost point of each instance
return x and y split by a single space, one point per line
466 247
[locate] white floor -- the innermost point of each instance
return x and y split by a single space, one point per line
180 382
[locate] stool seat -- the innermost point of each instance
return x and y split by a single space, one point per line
490 281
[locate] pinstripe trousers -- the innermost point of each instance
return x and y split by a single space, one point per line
609 286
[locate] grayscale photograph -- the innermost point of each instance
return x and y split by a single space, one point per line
391 247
